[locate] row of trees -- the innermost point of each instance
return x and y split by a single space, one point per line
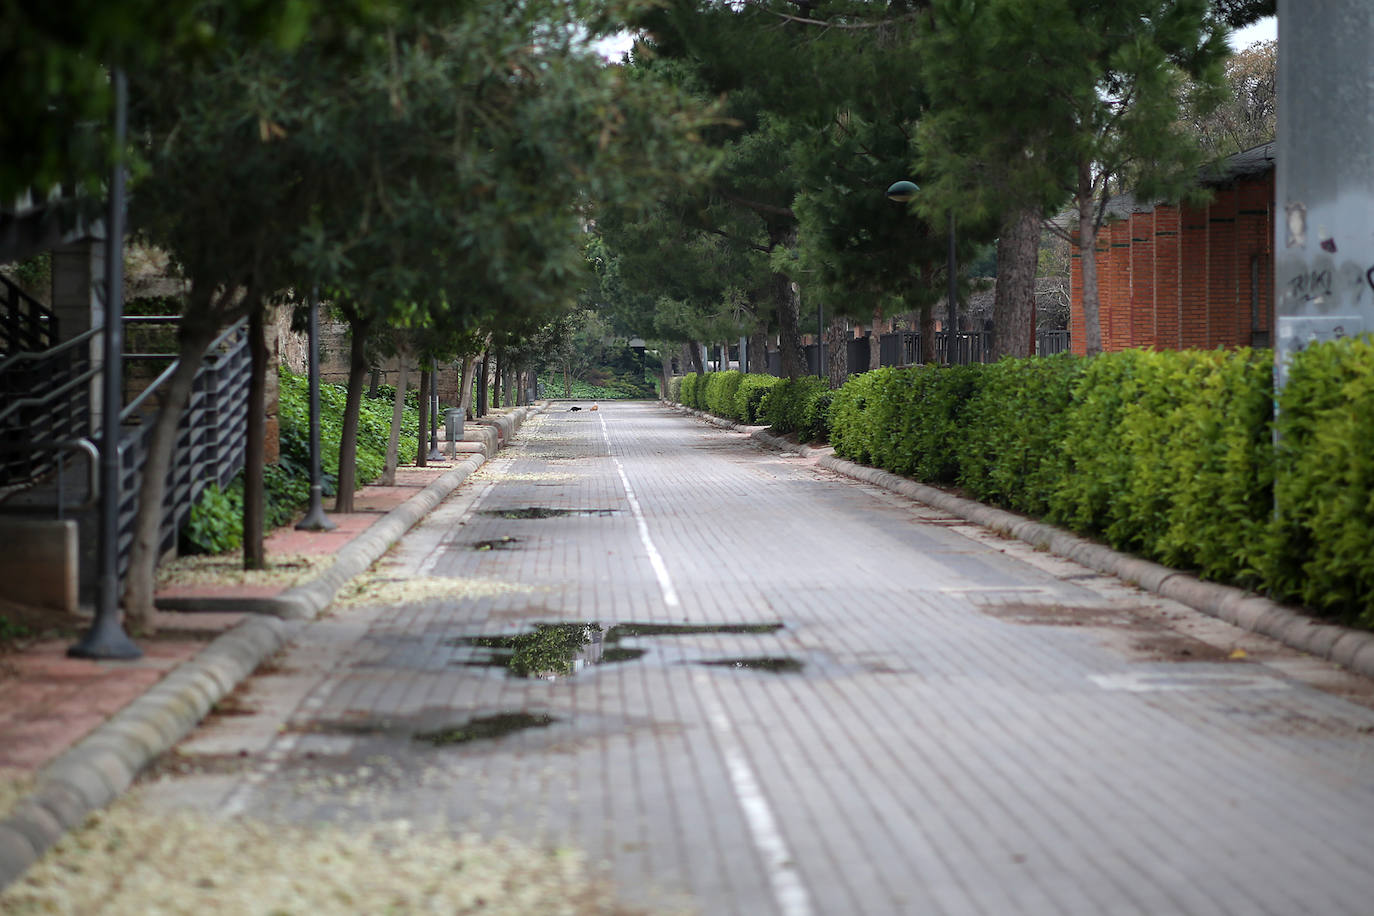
1003 111
428 167
434 169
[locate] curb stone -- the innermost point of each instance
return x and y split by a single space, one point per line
1349 648
98 768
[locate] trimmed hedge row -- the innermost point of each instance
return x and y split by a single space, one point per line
801 406
1169 454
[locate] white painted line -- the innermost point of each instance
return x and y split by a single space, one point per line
665 582
789 892
1150 682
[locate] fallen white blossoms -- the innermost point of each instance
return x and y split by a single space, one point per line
130 861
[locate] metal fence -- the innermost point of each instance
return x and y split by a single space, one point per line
903 348
210 438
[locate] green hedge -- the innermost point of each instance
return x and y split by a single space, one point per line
721 388
753 388
1166 454
800 406
1322 550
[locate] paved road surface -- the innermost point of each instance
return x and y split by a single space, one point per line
945 722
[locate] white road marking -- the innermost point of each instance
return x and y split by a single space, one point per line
789 892
665 582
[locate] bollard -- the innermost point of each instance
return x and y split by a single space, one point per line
453 428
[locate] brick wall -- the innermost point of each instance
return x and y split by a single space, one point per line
1175 277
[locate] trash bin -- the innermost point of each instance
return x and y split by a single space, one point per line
453 428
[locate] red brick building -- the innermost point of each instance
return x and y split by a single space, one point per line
1175 277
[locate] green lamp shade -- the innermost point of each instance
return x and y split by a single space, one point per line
902 191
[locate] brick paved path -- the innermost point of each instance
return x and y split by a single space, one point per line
974 728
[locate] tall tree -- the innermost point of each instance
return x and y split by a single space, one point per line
1073 97
1247 115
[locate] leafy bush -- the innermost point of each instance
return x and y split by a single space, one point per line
215 524
1010 446
688 389
674 392
1322 541
721 388
907 421
749 397
798 406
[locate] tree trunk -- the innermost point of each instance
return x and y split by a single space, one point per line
398 410
139 582
567 381
497 366
1013 310
875 341
925 324
1087 251
466 375
758 349
422 444
788 304
374 382
837 340
348 436
694 354
254 494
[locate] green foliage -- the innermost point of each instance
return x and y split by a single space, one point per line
1014 432
1323 536
721 388
906 420
799 406
753 388
1169 455
674 392
216 521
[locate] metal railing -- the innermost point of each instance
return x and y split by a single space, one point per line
25 323
46 399
210 437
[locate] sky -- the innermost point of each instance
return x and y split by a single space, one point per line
1264 30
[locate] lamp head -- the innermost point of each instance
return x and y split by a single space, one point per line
902 191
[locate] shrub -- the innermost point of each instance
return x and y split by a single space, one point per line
852 412
674 392
216 521
791 407
1009 449
691 384
720 393
750 394
1322 537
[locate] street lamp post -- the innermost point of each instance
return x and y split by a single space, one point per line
902 192
106 637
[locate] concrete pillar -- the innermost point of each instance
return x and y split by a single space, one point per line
1324 224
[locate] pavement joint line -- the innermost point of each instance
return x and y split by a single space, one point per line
665 582
1349 648
173 706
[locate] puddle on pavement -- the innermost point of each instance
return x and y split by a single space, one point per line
772 664
622 630
552 650
485 728
539 512
504 543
